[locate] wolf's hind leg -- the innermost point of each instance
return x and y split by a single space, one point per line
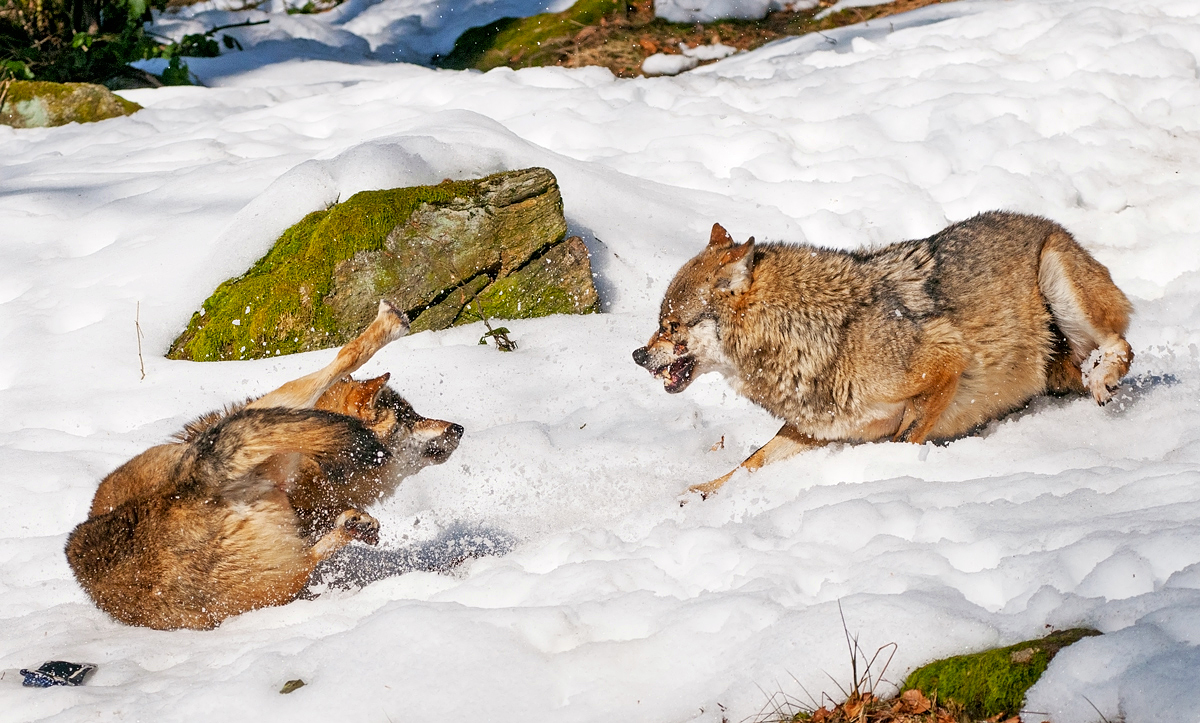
787 442
284 583
1090 310
389 325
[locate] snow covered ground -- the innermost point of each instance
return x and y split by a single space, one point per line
615 603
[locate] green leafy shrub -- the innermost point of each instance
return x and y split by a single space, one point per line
73 40
198 45
176 73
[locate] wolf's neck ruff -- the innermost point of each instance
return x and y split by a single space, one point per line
782 333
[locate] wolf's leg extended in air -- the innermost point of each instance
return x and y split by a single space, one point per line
787 442
389 325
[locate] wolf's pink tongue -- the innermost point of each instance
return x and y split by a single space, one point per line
679 374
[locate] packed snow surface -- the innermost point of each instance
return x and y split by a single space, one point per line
667 64
705 11
610 600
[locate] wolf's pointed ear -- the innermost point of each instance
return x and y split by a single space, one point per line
719 238
737 267
367 394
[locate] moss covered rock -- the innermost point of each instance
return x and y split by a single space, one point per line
447 254
39 104
525 42
621 34
992 683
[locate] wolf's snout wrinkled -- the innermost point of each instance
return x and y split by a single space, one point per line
641 357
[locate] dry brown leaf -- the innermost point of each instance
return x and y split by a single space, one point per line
914 701
855 705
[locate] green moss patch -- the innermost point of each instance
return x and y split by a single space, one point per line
40 104
276 307
548 286
519 41
444 254
992 683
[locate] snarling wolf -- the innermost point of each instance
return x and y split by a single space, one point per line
920 340
237 512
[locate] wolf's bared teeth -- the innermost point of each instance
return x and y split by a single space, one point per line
678 374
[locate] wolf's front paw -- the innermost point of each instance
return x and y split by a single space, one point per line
705 490
1103 369
394 321
360 526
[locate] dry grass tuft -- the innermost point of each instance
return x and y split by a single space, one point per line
863 703
911 706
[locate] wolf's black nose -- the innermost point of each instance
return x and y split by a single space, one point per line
641 356
455 430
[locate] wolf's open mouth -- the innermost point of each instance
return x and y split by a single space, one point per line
677 375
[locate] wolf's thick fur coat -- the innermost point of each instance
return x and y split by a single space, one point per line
236 514
920 340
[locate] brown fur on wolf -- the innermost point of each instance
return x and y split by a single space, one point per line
920 340
238 511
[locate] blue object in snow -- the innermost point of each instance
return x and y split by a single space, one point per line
57 672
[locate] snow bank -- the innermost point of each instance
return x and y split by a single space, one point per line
614 602
667 64
706 11
841 5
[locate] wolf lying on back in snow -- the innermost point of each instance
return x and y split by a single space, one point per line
236 514
920 340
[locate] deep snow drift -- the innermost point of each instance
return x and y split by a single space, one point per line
614 602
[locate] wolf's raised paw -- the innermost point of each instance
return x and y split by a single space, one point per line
360 526
1102 372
